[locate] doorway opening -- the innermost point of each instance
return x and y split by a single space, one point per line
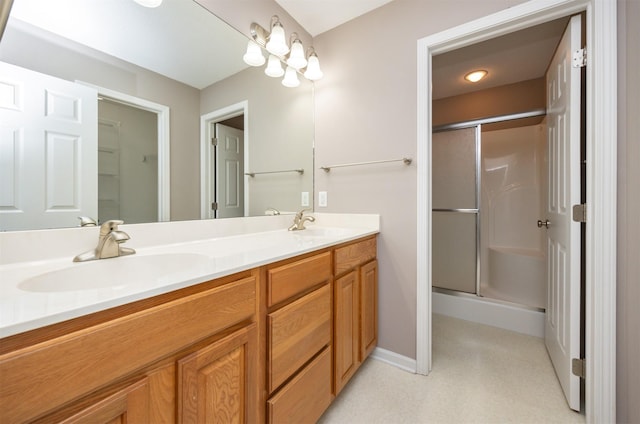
600 169
224 192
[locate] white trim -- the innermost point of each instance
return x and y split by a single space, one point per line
231 111
164 142
601 180
399 361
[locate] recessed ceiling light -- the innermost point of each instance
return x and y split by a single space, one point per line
475 76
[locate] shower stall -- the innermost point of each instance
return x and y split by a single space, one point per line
489 190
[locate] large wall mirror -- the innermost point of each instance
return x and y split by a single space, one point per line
114 110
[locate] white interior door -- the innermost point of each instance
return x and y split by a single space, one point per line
48 150
562 328
229 160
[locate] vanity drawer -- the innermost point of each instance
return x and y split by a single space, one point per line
296 333
351 256
296 277
307 396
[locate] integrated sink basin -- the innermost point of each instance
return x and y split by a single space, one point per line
120 272
313 231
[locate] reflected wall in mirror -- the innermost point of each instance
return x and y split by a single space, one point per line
151 59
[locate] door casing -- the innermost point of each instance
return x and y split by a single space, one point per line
601 140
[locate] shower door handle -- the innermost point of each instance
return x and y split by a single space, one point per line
544 223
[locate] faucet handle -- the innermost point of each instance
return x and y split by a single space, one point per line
109 226
302 211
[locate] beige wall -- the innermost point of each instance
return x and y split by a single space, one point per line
628 317
366 110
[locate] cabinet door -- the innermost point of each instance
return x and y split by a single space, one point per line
127 405
218 384
368 308
346 328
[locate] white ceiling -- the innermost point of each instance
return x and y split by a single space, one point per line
180 39
318 16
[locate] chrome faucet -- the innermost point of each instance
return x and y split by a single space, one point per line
109 243
299 220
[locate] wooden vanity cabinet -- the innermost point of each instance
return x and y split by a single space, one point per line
356 299
185 356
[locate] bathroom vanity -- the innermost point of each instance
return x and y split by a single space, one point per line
272 337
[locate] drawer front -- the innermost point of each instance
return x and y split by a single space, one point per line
60 370
296 333
291 279
307 396
350 256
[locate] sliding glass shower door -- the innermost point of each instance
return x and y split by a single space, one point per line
456 209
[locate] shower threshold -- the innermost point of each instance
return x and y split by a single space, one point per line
486 299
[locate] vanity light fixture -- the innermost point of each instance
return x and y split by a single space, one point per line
149 3
475 76
279 53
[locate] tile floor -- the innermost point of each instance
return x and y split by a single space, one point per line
480 374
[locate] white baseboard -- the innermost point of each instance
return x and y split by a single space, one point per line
395 359
499 315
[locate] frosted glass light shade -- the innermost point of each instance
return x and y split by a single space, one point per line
149 3
290 78
253 56
274 67
313 71
296 58
277 44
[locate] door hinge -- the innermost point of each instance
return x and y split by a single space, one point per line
580 58
580 213
214 141
578 367
214 206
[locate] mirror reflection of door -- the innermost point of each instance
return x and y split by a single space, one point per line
229 168
127 163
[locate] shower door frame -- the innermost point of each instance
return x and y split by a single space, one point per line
476 210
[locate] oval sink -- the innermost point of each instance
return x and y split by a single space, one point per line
120 272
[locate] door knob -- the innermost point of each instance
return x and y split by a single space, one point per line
544 223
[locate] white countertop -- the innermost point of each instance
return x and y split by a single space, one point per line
22 309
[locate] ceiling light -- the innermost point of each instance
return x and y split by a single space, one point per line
290 78
253 56
313 71
476 76
149 3
296 57
274 67
275 43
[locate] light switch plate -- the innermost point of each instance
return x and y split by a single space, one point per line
304 200
322 199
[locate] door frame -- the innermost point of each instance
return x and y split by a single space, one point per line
601 136
163 114
206 168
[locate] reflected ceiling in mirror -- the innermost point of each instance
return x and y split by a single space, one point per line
183 57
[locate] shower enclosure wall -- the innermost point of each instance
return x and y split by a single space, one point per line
489 190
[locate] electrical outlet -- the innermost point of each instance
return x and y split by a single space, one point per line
322 199
304 201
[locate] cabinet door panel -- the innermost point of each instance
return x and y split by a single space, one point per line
346 328
368 308
217 384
